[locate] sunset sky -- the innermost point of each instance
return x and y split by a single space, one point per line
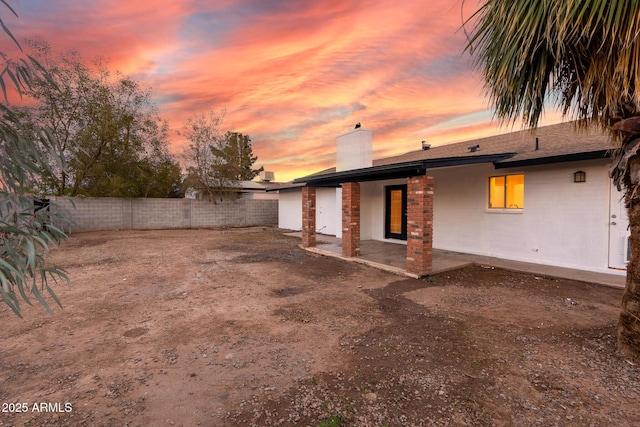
292 74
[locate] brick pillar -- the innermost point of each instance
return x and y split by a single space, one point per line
351 219
419 224
308 217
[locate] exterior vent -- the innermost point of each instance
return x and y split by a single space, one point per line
474 148
425 146
267 176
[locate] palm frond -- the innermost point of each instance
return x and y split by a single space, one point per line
586 54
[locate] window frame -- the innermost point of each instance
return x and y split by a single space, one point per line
504 209
387 219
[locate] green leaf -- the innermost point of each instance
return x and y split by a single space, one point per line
11 302
36 292
19 283
31 254
8 32
56 273
3 86
4 263
53 295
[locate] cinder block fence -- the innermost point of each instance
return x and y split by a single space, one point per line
107 213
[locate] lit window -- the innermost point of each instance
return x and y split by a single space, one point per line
506 192
395 216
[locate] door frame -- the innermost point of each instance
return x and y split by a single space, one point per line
619 253
387 212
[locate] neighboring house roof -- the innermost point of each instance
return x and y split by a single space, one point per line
241 186
281 186
251 185
556 143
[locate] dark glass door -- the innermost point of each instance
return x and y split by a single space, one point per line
395 226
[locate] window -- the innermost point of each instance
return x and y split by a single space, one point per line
506 192
395 219
395 212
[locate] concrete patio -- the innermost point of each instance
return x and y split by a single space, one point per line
392 257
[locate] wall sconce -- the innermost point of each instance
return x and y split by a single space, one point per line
579 176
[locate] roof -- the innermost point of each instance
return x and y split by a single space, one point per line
251 185
245 185
556 143
284 186
554 140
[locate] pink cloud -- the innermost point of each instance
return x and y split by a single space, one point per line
129 34
292 75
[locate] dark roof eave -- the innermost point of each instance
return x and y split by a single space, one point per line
396 170
284 187
374 173
591 155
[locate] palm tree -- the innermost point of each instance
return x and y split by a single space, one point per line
584 55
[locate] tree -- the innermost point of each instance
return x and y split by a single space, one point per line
586 56
204 136
242 145
26 229
105 127
217 163
159 177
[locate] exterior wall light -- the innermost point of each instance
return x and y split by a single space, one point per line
579 176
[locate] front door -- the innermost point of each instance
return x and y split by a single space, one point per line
395 224
619 253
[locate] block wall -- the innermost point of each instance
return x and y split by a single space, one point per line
89 214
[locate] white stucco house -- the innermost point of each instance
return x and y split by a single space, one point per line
256 190
540 196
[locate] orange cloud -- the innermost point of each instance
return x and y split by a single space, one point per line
292 75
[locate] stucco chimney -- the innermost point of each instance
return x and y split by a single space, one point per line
354 150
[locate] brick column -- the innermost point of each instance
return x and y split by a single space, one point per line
351 219
419 224
308 217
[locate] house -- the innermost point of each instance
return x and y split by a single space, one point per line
540 196
245 189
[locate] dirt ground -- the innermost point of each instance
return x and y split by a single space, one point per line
241 327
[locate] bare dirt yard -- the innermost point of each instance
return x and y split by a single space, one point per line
241 327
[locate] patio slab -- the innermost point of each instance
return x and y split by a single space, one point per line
392 257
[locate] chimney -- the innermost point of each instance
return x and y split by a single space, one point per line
354 150
266 176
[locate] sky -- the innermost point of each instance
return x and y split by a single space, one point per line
291 74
